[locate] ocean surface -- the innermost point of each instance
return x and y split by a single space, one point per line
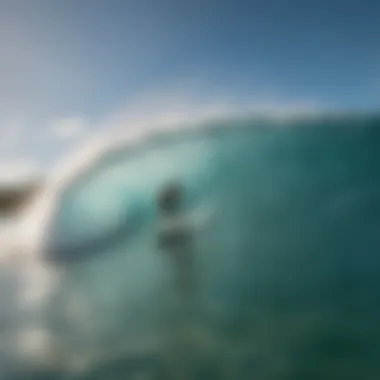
284 219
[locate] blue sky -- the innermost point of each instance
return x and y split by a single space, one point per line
66 66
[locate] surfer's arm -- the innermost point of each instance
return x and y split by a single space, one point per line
202 217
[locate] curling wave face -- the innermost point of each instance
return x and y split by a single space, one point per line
284 219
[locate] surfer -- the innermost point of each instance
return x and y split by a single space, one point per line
192 345
175 237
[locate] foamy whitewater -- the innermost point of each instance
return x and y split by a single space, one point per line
285 214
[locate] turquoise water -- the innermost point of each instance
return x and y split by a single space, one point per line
285 219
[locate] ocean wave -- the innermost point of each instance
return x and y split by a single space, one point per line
285 212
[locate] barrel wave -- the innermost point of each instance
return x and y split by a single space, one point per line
284 218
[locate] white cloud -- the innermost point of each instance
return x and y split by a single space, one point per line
69 128
176 105
11 134
17 172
